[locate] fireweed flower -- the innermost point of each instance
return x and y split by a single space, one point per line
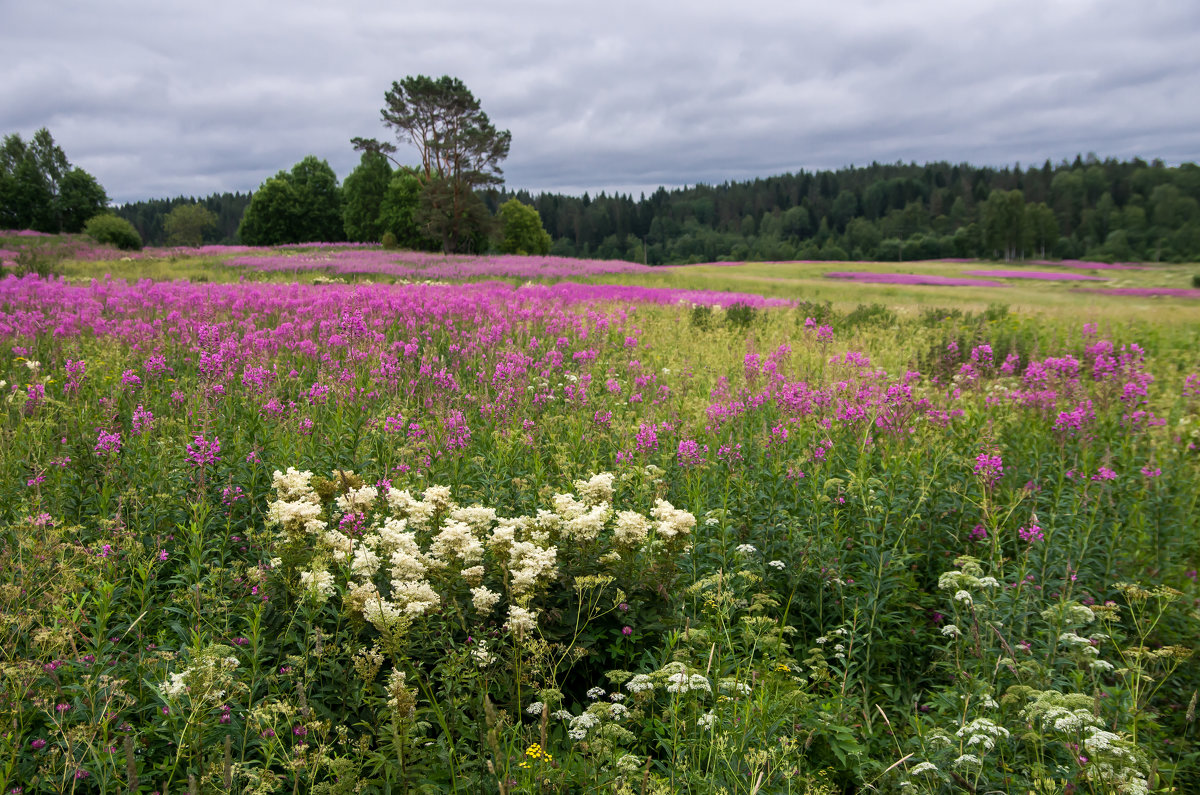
143 420
989 468
1031 534
201 452
107 443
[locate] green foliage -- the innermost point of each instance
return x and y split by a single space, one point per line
303 205
389 240
870 315
400 212
521 230
364 192
111 230
701 317
149 216
40 190
869 618
459 220
740 316
81 198
187 224
40 260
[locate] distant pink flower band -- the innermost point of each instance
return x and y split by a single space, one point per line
910 278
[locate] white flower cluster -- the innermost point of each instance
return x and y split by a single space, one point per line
640 683
396 555
317 583
968 576
204 680
579 725
1078 642
679 681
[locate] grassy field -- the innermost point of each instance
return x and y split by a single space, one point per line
315 530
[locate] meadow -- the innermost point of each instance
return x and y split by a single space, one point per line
334 519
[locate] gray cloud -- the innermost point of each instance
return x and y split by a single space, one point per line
162 99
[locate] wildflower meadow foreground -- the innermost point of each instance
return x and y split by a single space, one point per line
480 537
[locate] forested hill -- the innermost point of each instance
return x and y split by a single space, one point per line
1122 210
148 216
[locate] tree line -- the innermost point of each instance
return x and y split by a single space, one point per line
1110 209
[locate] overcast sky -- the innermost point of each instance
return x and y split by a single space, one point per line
159 98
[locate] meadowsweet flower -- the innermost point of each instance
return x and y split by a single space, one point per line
597 489
483 599
456 540
631 529
521 620
317 583
414 598
672 522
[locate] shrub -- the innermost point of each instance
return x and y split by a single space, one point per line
1196 280
389 240
739 316
37 260
873 315
702 316
111 230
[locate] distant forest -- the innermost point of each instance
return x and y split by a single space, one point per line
148 217
1113 210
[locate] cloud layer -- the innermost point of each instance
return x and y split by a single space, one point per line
163 99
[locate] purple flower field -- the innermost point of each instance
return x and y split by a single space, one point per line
910 278
422 265
1086 264
1173 292
1044 275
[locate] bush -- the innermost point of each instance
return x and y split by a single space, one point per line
739 316
1196 280
389 240
873 315
37 260
110 230
522 231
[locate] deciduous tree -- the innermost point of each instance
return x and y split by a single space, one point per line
186 224
521 229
